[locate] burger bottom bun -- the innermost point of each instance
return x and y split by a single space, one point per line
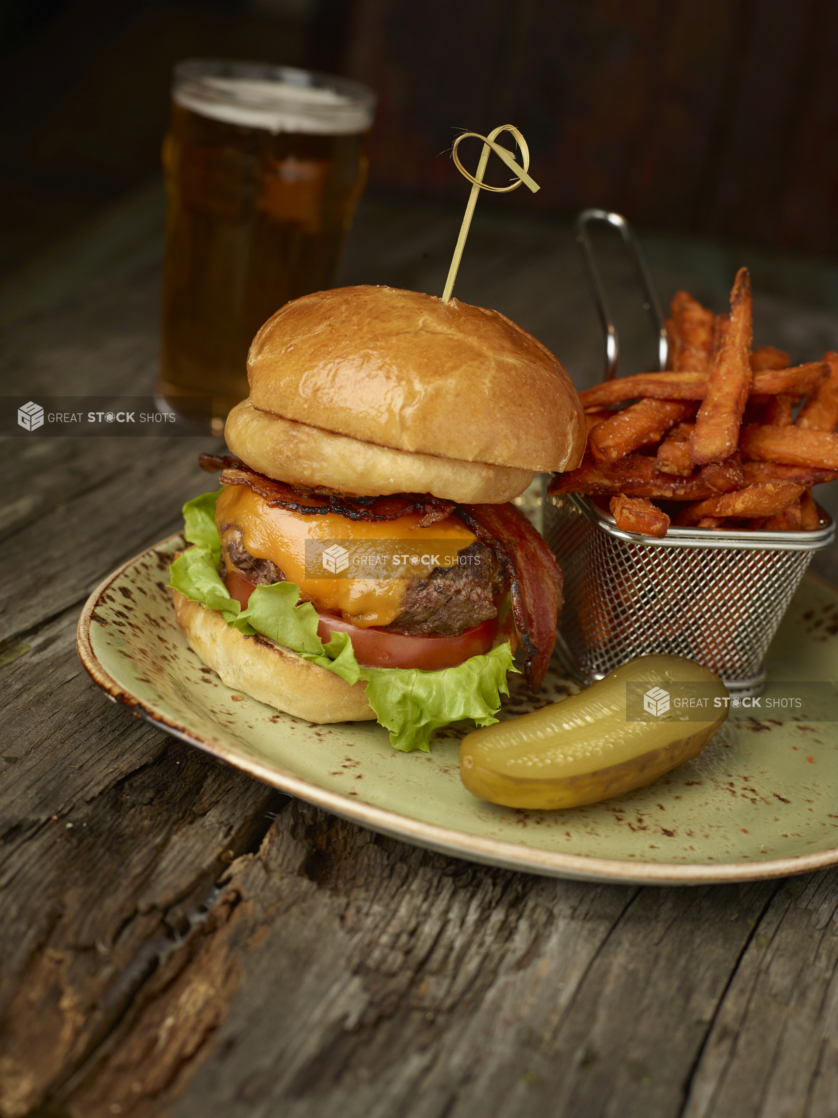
301 455
264 671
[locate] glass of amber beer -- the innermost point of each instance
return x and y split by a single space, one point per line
264 167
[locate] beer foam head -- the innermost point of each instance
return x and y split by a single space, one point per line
278 106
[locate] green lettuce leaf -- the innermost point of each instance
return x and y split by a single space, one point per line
195 575
339 657
408 702
199 515
273 612
411 703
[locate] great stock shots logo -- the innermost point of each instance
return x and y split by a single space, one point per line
30 416
59 416
335 559
796 702
656 702
382 558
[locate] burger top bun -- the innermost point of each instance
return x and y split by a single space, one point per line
403 370
309 456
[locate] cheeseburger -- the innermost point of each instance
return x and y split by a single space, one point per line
388 423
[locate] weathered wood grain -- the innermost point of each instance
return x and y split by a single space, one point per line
384 980
62 553
112 835
175 938
776 1030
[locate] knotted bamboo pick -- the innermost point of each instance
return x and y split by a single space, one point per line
488 145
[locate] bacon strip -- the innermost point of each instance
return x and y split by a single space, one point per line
535 580
212 463
278 493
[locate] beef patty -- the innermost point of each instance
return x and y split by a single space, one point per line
448 601
261 572
451 599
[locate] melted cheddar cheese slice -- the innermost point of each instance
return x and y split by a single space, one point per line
280 535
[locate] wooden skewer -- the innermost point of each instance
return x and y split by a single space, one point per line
489 145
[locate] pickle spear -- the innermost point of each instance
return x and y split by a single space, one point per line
583 749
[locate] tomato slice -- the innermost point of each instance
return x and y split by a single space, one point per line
377 648
240 587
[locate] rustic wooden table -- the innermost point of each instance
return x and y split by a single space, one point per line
177 938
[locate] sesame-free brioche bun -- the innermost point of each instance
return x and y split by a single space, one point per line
267 672
302 455
406 372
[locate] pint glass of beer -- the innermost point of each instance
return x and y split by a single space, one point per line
264 167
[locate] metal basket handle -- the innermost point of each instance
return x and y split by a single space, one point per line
651 303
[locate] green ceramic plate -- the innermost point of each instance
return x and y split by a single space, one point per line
760 801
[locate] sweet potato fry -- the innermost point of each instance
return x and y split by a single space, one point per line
594 417
820 412
690 333
729 382
810 515
793 446
768 357
674 457
660 386
638 514
724 477
742 462
683 430
797 381
674 452
775 471
789 520
778 411
635 475
635 426
763 499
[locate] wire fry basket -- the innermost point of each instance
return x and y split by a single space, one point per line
714 596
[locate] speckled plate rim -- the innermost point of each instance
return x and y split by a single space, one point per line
512 856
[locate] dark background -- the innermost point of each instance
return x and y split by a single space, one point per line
716 117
